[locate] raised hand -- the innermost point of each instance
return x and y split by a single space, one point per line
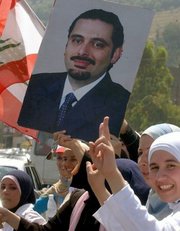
9 217
61 138
102 152
117 145
96 181
103 156
77 146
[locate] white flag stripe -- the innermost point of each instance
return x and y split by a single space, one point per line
18 90
12 53
19 47
22 26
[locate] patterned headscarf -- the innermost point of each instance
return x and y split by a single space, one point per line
24 185
169 143
157 130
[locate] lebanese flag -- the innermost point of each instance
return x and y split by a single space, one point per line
21 34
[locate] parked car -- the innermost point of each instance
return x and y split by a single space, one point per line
47 169
14 158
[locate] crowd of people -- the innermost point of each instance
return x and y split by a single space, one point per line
106 191
125 183
163 162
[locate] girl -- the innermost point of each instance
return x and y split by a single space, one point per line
123 210
76 213
155 206
17 195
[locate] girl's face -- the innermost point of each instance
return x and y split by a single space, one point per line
144 145
66 162
164 175
9 193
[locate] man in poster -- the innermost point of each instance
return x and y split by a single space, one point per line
95 41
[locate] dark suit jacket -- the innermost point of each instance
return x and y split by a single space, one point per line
41 103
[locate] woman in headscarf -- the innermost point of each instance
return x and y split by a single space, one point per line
76 213
155 205
61 188
122 210
17 195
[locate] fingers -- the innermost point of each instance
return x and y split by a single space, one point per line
91 173
85 146
1 219
89 168
100 144
93 151
98 148
61 138
91 148
113 138
76 169
56 134
124 127
104 128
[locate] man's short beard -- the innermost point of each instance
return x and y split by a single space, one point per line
79 75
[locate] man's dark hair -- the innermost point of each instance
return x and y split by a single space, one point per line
107 17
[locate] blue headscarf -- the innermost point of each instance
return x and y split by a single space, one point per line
133 176
157 130
26 187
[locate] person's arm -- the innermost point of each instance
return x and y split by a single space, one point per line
131 140
76 145
11 218
59 222
122 210
102 154
117 145
96 181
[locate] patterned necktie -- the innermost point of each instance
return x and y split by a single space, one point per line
69 100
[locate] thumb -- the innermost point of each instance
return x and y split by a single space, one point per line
89 168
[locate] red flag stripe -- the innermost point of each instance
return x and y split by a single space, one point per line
20 42
4 11
13 3
10 104
21 68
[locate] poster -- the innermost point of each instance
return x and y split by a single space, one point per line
87 52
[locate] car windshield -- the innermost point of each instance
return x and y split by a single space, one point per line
5 169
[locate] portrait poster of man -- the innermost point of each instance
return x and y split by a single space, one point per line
87 70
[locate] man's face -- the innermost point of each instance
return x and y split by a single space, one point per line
88 51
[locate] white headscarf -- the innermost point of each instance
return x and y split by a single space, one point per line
169 142
157 130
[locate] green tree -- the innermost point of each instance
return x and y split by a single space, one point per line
170 39
42 8
153 4
150 101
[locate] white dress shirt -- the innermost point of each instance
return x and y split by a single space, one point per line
79 93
